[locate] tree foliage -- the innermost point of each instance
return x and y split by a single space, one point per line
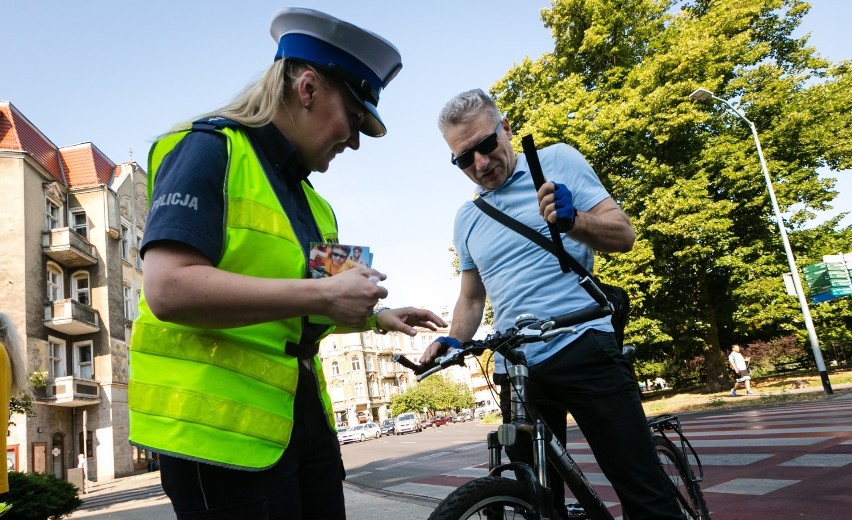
706 270
434 393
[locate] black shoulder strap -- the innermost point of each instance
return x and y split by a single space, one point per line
565 260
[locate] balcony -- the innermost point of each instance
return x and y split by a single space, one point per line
68 248
71 317
71 391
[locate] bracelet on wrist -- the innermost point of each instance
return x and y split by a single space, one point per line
374 320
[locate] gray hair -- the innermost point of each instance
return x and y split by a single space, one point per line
465 107
15 349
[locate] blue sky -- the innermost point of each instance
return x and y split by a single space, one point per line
120 73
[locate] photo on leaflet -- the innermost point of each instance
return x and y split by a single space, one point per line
331 259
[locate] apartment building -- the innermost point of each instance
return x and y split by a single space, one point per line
362 376
71 220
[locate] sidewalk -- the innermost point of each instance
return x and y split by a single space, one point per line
140 497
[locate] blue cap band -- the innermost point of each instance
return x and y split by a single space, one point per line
304 47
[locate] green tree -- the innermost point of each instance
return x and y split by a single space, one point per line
707 267
434 393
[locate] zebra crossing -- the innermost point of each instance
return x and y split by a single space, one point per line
780 462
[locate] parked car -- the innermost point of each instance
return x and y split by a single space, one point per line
360 433
407 422
341 433
438 420
462 417
387 427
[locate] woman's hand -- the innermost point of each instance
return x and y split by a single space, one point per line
352 295
404 319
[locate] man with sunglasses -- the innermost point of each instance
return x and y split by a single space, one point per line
338 261
583 373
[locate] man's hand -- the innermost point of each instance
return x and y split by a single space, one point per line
556 205
438 348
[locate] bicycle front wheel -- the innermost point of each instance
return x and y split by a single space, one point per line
677 469
489 498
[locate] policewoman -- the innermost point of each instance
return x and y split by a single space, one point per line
225 381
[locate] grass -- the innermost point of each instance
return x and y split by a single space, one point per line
772 389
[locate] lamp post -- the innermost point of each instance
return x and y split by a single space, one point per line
703 95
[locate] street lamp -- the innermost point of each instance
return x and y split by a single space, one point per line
703 95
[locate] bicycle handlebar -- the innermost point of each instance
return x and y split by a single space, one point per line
528 329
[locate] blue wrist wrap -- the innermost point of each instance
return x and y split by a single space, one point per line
563 200
449 342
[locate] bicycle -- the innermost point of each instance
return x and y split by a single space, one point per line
528 495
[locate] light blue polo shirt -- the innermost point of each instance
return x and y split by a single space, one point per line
519 276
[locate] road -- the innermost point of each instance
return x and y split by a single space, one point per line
780 462
783 462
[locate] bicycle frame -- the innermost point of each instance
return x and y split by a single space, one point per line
525 418
546 446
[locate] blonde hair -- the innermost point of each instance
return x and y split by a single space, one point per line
15 349
258 104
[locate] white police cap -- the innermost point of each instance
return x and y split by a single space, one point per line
365 61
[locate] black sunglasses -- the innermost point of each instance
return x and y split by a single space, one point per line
487 145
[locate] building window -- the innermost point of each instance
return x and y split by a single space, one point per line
335 368
54 283
359 389
128 302
138 250
52 215
56 358
374 388
125 243
356 363
83 367
79 223
80 288
368 361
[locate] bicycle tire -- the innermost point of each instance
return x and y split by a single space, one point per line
678 471
489 498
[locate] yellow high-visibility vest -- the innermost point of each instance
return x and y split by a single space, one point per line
225 396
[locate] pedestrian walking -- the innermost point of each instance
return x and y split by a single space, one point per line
740 366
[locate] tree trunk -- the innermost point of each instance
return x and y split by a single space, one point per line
714 360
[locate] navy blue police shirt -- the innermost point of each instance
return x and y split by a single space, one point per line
188 201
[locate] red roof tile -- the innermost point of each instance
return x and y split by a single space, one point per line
18 133
85 165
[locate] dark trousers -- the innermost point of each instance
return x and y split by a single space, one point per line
306 483
593 380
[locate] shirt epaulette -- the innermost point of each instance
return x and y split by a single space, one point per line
209 124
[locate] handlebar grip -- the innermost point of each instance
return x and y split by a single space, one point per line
411 365
583 315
